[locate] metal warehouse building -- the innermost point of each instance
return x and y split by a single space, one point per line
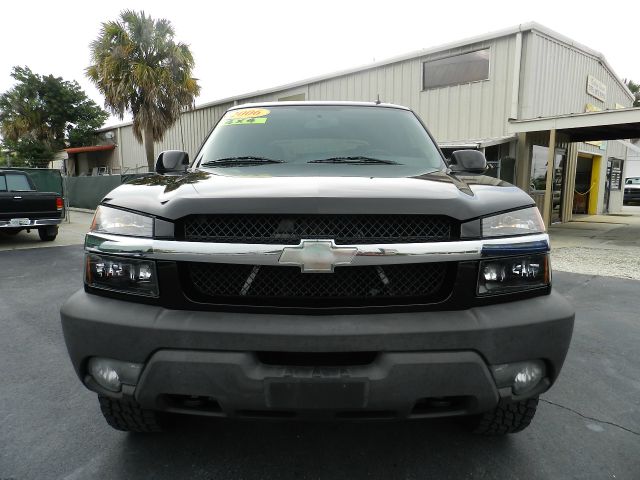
510 94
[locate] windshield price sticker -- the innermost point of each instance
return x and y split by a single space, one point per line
250 113
247 116
245 121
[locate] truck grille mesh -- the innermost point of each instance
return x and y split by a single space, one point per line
288 286
290 229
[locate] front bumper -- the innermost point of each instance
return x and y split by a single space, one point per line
418 357
632 196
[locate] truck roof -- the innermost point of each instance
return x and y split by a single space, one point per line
318 103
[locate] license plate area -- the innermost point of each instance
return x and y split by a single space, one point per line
317 394
19 222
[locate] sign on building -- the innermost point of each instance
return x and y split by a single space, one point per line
596 88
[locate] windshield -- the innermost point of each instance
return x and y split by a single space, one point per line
320 140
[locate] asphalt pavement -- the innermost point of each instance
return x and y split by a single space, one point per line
587 426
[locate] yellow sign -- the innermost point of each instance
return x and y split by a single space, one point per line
249 113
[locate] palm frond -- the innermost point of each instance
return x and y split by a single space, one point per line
138 67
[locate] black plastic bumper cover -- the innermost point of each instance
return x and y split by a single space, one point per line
420 354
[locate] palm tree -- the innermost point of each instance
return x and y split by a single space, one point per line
138 67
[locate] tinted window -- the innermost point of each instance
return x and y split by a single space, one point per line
469 67
298 135
17 182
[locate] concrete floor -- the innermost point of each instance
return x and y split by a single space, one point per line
605 245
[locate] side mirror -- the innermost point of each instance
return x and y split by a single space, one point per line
468 161
172 162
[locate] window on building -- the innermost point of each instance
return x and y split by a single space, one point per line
499 163
465 68
538 183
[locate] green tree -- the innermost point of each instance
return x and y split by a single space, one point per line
139 67
41 115
635 89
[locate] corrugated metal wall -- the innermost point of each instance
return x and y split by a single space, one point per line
461 112
554 79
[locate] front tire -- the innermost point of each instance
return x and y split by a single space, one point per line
129 416
507 417
48 234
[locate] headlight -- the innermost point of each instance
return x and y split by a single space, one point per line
121 274
121 222
518 222
510 274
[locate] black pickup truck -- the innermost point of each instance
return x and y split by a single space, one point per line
318 260
22 207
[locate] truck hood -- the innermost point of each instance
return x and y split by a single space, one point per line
200 192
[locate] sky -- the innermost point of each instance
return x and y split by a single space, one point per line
244 46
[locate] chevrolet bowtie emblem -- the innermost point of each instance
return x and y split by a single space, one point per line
317 256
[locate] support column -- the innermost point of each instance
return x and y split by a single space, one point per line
548 191
569 182
119 148
523 162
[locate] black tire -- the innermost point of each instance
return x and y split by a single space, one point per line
48 234
129 416
507 417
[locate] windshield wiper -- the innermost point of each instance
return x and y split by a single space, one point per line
356 160
245 160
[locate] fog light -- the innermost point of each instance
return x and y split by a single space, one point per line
521 376
527 378
111 374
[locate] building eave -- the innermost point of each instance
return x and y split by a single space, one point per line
88 149
606 125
